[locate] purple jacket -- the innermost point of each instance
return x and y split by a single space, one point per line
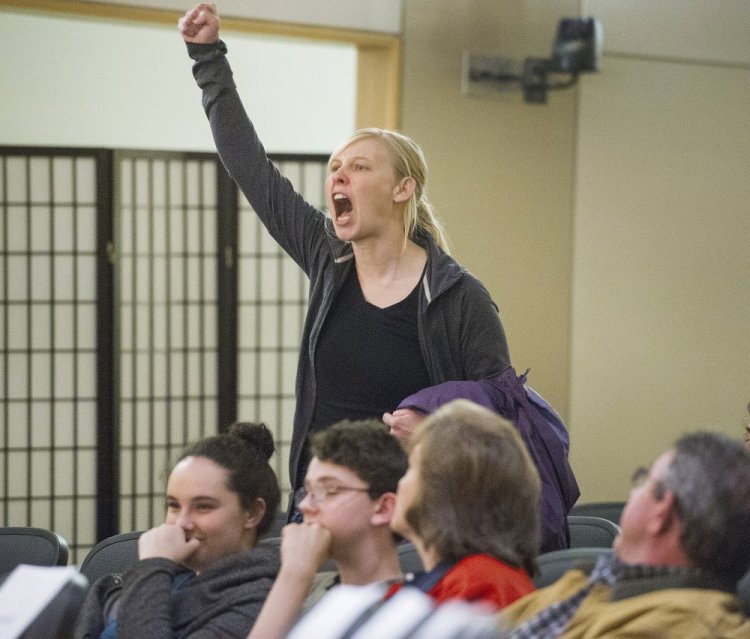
541 429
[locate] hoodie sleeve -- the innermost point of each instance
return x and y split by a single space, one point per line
296 225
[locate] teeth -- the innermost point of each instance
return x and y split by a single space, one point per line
339 196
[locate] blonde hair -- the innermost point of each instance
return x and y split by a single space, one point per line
408 161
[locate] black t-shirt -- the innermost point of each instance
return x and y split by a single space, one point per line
368 358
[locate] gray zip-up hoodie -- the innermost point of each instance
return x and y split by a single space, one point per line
222 602
460 332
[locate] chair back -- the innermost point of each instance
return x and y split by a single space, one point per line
111 555
409 558
279 521
35 546
611 510
591 532
552 565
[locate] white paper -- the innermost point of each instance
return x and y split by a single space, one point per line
397 616
25 593
336 611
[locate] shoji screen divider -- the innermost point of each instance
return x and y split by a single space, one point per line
142 306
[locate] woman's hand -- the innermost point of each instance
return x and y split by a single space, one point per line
402 422
200 25
167 541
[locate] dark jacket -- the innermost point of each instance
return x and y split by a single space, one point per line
460 333
223 601
541 429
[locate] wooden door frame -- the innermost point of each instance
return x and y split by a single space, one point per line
378 54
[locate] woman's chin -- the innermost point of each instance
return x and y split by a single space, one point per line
343 232
400 527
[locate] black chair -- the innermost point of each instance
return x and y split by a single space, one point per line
111 555
611 510
35 546
408 558
552 565
591 532
279 521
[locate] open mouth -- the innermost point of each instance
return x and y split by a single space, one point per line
341 204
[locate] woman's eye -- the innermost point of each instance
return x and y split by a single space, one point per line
171 505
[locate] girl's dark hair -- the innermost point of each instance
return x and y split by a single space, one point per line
244 451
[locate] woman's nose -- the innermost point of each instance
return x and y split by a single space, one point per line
184 520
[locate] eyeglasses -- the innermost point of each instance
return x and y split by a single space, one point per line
324 491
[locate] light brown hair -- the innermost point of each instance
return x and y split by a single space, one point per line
479 491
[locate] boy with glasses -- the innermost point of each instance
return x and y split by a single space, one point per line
350 497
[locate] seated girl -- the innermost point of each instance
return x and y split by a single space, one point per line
200 573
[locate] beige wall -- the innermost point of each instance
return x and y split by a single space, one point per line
501 171
611 225
661 329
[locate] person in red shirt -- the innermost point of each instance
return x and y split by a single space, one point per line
469 502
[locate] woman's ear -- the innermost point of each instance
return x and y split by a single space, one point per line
404 189
255 513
